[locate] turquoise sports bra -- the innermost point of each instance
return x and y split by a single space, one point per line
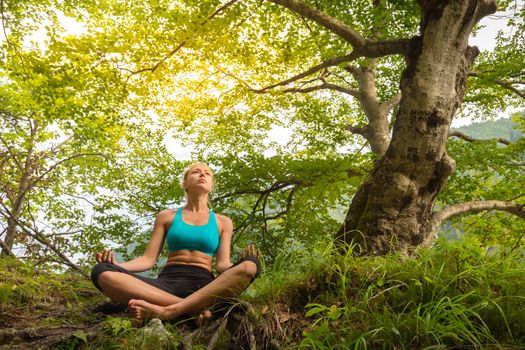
204 238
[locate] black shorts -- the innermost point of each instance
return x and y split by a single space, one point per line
179 280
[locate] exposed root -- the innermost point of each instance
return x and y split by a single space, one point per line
218 332
44 337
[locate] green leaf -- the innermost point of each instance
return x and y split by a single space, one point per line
80 334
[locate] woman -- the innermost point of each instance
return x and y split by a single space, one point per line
186 285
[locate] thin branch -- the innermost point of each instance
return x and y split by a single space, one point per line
54 166
181 44
334 61
33 233
326 86
9 42
467 138
219 10
330 23
508 86
363 131
516 245
505 84
474 206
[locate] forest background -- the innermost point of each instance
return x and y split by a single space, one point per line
365 95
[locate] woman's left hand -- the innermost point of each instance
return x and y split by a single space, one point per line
250 250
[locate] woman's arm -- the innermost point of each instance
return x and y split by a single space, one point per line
148 259
222 257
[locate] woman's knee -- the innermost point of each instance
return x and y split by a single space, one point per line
250 266
98 273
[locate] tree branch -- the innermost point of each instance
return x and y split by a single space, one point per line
326 86
181 45
13 156
474 206
41 238
358 130
465 137
54 166
508 86
6 249
362 46
330 23
391 103
505 84
334 61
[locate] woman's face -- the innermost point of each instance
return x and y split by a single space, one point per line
200 178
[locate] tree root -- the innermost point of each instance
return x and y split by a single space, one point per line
218 332
43 337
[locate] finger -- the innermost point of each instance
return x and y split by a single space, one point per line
112 257
97 257
106 255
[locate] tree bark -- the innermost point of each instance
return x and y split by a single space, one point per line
391 211
16 208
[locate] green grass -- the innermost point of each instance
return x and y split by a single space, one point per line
454 295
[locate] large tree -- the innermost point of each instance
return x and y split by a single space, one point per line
368 91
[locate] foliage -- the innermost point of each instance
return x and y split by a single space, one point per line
488 170
286 164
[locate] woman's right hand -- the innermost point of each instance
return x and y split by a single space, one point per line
106 256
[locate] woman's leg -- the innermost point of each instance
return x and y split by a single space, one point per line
227 285
121 286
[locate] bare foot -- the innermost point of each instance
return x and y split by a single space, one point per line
202 317
142 310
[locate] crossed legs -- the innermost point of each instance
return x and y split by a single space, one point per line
122 287
227 285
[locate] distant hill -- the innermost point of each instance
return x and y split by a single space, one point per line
504 128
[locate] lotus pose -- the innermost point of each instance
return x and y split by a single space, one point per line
186 285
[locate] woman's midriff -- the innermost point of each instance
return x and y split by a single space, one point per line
190 257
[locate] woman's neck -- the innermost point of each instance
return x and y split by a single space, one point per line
197 204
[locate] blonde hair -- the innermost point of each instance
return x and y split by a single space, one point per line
187 170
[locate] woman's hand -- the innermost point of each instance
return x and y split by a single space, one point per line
250 250
106 256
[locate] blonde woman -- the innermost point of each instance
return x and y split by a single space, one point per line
186 285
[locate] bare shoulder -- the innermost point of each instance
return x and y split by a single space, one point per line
223 219
225 223
165 216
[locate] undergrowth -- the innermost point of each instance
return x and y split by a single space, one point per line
453 295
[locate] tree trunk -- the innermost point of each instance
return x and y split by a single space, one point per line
392 209
21 196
